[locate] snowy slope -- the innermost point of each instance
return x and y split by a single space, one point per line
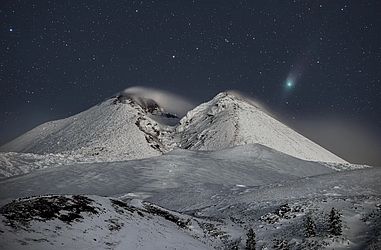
277 212
223 193
113 130
228 120
92 222
248 165
12 163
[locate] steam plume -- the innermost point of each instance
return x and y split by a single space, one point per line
170 102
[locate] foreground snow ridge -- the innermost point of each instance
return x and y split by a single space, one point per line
124 128
294 214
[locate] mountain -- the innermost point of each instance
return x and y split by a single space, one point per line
121 176
118 128
131 127
228 120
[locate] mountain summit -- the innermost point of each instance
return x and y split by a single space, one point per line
117 129
228 120
130 127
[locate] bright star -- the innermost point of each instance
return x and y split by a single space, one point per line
10 29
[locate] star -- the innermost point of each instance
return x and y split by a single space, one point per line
10 29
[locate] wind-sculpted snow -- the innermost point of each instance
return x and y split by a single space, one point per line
12 163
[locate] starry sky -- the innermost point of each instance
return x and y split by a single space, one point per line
315 64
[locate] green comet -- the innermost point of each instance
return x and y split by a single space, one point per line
289 84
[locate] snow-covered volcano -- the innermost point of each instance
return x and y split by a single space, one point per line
226 168
229 120
118 128
131 127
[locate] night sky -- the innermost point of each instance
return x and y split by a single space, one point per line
315 64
